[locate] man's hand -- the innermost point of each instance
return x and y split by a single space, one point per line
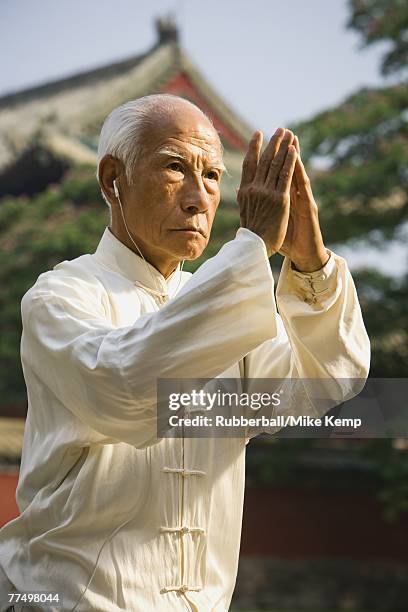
303 243
276 201
264 193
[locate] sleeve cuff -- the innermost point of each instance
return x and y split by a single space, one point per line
312 287
318 275
245 233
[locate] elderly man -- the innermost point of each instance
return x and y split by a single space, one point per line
113 517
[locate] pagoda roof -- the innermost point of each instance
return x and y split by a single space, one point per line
73 108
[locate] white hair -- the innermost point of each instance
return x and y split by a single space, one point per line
123 129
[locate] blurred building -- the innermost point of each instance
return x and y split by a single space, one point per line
45 129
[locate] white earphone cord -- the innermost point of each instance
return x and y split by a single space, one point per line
160 293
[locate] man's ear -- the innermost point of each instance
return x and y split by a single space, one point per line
110 168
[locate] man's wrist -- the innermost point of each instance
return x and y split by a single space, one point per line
313 264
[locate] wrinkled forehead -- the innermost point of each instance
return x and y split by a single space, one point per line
185 132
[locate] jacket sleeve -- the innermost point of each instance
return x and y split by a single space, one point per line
321 339
107 376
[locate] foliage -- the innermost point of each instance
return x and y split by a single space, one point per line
36 234
309 463
383 21
362 189
362 145
391 464
364 142
384 304
362 194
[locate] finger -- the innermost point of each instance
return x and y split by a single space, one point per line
302 179
277 162
294 185
250 163
268 155
294 191
286 173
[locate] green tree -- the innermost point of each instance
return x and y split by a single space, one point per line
383 21
362 191
35 234
363 187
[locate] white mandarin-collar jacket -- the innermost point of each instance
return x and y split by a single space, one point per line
113 518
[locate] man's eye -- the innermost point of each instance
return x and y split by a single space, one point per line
175 166
213 175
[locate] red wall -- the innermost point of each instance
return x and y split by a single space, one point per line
8 506
298 523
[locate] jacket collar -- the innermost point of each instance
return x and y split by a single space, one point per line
116 256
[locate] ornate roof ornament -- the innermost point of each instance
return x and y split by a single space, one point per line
167 29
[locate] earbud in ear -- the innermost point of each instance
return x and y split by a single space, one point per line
115 189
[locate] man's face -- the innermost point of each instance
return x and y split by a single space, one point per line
171 203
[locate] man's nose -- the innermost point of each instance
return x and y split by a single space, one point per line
195 197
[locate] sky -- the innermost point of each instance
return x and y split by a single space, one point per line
274 61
